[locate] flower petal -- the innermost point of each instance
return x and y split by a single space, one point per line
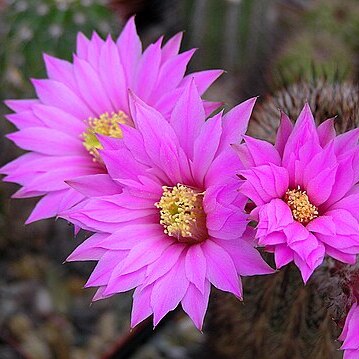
205 147
284 130
168 291
221 271
188 117
195 266
235 123
195 303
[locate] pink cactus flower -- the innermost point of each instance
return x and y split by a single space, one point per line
305 192
168 219
85 98
350 334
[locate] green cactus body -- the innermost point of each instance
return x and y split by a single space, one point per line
32 27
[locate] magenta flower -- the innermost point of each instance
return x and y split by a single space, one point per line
350 334
305 192
168 217
85 98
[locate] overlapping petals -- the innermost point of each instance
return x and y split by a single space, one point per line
305 192
350 335
52 126
130 244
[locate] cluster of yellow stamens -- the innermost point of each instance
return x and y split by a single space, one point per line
107 125
302 210
181 212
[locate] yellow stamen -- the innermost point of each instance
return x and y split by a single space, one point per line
107 125
182 214
302 210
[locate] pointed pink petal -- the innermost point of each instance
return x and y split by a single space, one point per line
104 268
188 117
196 267
164 263
323 224
264 183
106 217
221 271
320 187
24 119
20 162
82 46
127 237
148 71
320 161
305 245
102 210
228 164
326 132
304 133
125 282
305 270
95 185
60 70
143 254
58 119
70 199
205 147
54 93
350 331
130 49
339 255
160 142
100 294
235 123
244 155
168 291
262 152
195 303
133 140
21 105
283 255
94 50
274 217
349 203
91 88
284 131
47 141
172 47
110 143
173 69
224 208
47 207
203 79
141 307
211 106
345 179
346 141
120 164
88 249
113 77
246 258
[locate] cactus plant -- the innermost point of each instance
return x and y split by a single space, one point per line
29 28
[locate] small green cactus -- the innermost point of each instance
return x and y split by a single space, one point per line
31 27
310 55
336 17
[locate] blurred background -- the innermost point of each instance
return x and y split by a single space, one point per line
285 51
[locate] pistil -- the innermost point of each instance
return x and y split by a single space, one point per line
302 209
182 214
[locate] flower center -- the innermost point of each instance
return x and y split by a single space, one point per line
107 125
302 210
182 214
